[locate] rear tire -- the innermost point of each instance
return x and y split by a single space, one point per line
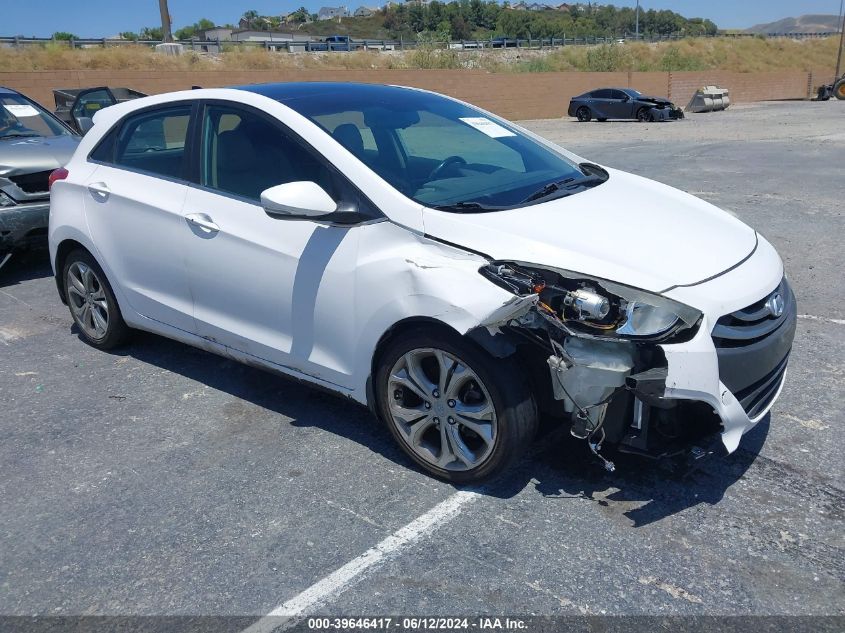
460 414
92 302
839 89
584 115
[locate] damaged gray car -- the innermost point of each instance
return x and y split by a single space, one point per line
33 143
622 103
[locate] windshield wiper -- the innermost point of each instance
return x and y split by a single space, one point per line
19 135
565 187
467 207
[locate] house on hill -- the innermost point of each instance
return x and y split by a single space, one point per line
364 12
330 13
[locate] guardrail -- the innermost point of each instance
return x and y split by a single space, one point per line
318 45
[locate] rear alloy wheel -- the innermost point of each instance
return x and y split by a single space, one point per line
92 303
457 413
583 113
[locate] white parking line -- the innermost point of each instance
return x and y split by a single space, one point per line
292 611
812 317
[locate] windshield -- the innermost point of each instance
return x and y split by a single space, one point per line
441 153
634 93
20 117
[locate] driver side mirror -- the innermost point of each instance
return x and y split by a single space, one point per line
302 200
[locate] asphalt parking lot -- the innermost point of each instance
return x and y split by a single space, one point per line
161 480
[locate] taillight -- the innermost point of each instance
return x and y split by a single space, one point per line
57 174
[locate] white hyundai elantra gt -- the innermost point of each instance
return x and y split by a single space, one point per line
453 271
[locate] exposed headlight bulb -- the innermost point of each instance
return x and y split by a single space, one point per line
588 304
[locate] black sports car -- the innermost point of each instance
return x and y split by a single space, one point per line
622 103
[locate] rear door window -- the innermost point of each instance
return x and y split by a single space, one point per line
244 153
154 141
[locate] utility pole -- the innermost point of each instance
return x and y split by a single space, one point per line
166 35
638 19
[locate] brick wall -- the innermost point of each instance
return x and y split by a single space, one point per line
514 96
744 87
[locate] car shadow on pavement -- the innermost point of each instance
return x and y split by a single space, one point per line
559 467
641 491
26 266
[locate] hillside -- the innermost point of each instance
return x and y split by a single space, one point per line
357 28
804 24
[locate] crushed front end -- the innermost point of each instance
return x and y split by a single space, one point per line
24 209
639 370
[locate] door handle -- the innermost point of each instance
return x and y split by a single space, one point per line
99 191
203 221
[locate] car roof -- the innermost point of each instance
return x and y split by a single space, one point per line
8 91
288 91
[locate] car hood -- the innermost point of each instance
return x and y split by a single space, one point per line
658 100
28 155
629 229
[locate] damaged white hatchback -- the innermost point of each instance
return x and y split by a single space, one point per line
456 273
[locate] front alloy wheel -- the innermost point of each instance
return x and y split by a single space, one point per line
458 412
442 410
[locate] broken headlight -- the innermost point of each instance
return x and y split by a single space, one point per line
644 319
597 307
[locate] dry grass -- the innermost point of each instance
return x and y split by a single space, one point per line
741 55
745 55
128 57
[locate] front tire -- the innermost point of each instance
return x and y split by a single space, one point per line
839 89
584 115
460 414
92 303
643 115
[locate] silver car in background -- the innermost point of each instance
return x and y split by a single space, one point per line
33 143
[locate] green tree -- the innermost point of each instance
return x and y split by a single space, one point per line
299 16
150 33
251 18
64 36
479 18
187 32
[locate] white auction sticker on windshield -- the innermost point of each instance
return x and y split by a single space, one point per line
20 109
490 128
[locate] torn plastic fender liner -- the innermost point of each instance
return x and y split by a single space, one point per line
488 334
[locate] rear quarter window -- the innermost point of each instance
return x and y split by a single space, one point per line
154 141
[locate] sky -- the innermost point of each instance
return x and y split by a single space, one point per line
101 18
